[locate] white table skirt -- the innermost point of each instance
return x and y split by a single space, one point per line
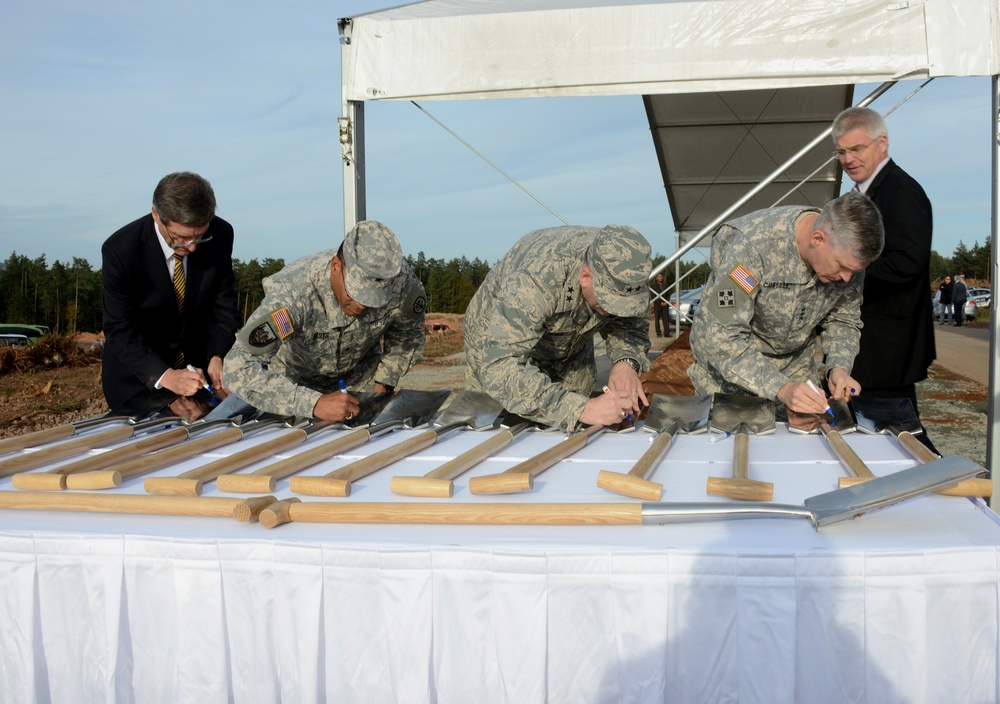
897 606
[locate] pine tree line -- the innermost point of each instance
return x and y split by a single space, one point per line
67 297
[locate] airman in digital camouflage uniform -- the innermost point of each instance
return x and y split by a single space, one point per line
355 314
785 282
529 330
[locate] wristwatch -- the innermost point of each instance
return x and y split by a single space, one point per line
631 362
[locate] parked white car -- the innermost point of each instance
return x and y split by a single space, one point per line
978 298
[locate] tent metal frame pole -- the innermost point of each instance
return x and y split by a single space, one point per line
993 403
693 242
352 151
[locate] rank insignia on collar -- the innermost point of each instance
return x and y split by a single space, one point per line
743 278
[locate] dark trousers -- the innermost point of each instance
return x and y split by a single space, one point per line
905 391
660 314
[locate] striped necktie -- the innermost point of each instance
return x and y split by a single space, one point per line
179 294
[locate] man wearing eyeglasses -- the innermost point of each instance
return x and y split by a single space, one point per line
169 302
897 341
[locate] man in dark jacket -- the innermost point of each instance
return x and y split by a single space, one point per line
897 341
169 302
945 300
959 296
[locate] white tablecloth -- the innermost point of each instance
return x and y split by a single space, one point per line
899 605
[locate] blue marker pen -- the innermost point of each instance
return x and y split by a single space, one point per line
827 410
343 386
206 386
627 416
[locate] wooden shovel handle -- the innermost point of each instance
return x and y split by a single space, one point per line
191 482
635 483
383 458
470 458
470 513
40 437
438 483
742 489
848 457
918 451
266 478
147 443
627 485
277 513
121 503
19 463
521 476
652 456
148 463
741 456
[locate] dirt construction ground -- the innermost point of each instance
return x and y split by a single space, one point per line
953 407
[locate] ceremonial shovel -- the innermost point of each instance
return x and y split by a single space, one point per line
58 478
409 409
79 445
439 484
192 482
521 477
667 415
897 417
820 510
741 415
113 477
40 437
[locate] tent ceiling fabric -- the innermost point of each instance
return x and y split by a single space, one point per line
715 147
463 49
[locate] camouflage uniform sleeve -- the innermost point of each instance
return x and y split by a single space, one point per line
721 336
254 372
507 372
403 340
841 336
628 337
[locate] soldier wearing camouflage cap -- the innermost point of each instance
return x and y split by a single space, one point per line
529 330
785 283
355 315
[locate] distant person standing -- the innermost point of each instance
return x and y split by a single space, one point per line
169 302
945 299
660 321
897 340
959 296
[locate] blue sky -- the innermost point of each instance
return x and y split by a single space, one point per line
102 99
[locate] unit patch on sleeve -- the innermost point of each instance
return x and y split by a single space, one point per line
744 279
727 298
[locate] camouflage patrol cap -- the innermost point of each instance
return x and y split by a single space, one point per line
372 257
620 265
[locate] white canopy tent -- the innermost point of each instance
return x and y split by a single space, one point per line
475 49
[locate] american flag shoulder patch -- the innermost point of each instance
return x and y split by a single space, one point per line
743 278
282 322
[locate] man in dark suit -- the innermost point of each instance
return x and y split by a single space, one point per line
897 341
169 302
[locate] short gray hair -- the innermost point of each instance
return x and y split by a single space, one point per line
853 118
853 222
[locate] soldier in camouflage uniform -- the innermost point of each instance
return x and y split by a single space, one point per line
529 330
355 315
783 281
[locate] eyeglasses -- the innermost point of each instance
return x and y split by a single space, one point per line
184 242
853 151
